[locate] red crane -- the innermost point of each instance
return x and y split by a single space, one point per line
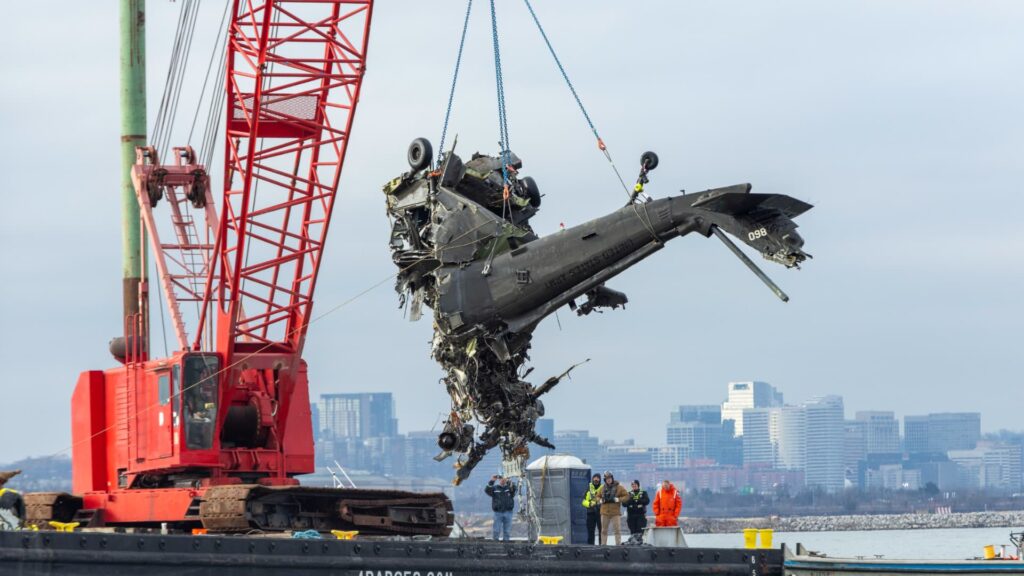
215 434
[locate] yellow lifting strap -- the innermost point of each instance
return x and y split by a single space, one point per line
550 540
345 534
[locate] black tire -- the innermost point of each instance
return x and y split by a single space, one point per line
649 160
532 191
420 154
447 441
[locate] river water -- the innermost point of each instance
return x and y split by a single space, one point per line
945 543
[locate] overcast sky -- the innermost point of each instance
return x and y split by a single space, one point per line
900 121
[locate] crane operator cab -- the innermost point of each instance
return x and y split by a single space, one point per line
199 395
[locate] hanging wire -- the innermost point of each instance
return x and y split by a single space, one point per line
174 82
158 124
217 47
502 113
455 78
565 76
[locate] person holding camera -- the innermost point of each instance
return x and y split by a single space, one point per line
503 502
611 495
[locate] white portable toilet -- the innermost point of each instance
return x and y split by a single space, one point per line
557 485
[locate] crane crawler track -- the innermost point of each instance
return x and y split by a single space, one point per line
372 512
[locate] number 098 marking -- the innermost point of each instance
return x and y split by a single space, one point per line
757 234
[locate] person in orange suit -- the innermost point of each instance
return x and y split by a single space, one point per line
667 505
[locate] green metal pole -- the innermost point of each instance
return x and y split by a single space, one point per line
133 133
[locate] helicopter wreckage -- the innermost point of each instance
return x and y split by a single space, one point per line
463 244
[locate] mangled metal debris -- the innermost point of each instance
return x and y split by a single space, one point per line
463 244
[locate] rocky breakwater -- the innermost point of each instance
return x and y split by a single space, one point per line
855 522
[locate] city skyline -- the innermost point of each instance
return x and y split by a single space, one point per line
672 413
813 443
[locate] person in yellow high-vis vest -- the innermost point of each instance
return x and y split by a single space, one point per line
593 506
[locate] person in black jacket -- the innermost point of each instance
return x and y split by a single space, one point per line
636 509
503 502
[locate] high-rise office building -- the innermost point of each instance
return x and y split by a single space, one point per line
704 413
825 439
357 415
915 434
746 395
942 432
810 437
791 444
580 444
882 431
698 430
855 448
760 442
621 459
954 430
702 441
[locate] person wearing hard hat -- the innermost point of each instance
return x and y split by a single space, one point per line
611 495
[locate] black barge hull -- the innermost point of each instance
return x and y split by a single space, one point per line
107 554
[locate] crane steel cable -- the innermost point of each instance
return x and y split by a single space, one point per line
455 79
180 79
600 143
158 124
645 217
175 75
221 29
161 124
502 112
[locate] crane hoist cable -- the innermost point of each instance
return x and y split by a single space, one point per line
218 47
600 143
455 79
644 216
502 111
180 53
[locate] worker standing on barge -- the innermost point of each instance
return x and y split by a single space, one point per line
667 505
503 502
611 495
636 509
593 506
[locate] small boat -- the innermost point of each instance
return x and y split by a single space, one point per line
809 563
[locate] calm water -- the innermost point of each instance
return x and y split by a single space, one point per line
953 543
